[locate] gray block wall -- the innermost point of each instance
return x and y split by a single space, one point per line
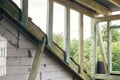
18 64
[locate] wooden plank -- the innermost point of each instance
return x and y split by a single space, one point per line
94 45
108 18
35 30
104 57
115 72
37 59
50 22
109 45
95 6
107 77
77 8
67 33
24 8
81 43
115 2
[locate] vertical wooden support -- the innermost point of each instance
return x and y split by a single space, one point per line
49 21
94 45
67 33
109 47
37 59
102 46
24 6
81 41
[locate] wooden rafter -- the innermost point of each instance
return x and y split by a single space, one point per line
95 6
77 8
37 59
108 18
81 41
115 2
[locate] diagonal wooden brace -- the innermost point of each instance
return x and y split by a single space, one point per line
37 59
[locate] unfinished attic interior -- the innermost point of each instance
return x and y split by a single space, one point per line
27 52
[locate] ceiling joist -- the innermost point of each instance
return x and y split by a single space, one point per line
115 2
95 6
108 18
77 8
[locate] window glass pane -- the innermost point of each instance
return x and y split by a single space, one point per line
87 43
58 24
74 38
103 29
38 13
115 49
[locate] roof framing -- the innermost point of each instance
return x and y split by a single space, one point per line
108 18
95 6
77 8
115 2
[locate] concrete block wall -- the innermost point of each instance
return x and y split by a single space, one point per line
19 64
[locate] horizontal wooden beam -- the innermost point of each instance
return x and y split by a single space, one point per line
107 77
95 6
115 2
77 8
108 18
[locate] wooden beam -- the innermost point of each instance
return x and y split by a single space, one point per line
10 9
81 41
109 45
49 22
95 6
67 33
24 6
94 46
78 8
37 59
107 77
115 2
108 18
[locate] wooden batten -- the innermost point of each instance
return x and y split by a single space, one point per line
67 33
50 22
109 44
81 43
107 77
93 48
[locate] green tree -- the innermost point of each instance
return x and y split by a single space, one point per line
74 49
116 56
115 47
115 34
58 38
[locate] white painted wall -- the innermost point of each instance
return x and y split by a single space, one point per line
18 62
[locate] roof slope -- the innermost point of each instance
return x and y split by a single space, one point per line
104 7
10 11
